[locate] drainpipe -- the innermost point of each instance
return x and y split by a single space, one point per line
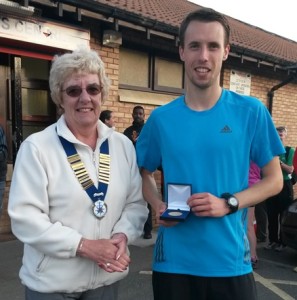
270 94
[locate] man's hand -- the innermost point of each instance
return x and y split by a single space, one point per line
159 210
207 205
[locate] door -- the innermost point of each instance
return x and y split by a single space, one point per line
31 107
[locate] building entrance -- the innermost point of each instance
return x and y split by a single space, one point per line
27 106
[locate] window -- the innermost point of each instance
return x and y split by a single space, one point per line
33 68
148 72
36 104
134 69
168 75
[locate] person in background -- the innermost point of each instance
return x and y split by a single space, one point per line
207 255
3 165
295 169
83 203
254 177
295 160
261 219
107 117
278 203
132 132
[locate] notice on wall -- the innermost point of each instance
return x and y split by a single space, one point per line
240 82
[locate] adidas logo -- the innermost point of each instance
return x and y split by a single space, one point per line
226 129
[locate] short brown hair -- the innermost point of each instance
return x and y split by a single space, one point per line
204 15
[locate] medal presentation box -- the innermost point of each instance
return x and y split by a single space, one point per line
177 196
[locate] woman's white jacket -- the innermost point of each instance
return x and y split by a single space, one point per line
50 211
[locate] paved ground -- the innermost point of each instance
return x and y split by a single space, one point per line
137 283
274 276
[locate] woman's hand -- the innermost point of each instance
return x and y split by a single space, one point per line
105 253
122 260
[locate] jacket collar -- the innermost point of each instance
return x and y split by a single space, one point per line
104 131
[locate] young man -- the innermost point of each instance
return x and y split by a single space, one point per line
132 132
205 140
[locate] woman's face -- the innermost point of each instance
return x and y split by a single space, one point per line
111 122
81 101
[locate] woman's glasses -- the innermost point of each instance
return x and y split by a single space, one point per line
75 91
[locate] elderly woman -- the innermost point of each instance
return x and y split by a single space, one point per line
75 199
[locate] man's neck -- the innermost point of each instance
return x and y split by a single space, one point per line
202 99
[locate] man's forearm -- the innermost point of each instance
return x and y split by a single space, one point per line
150 190
270 185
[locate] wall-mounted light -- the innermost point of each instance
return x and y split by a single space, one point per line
112 38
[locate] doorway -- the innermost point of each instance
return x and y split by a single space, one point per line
30 107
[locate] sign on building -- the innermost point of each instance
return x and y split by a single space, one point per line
240 82
43 33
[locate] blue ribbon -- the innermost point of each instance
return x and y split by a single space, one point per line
94 193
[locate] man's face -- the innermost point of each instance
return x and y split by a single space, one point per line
282 135
203 53
138 115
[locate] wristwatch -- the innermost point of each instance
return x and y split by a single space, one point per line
231 201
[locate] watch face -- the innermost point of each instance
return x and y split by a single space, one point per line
233 201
